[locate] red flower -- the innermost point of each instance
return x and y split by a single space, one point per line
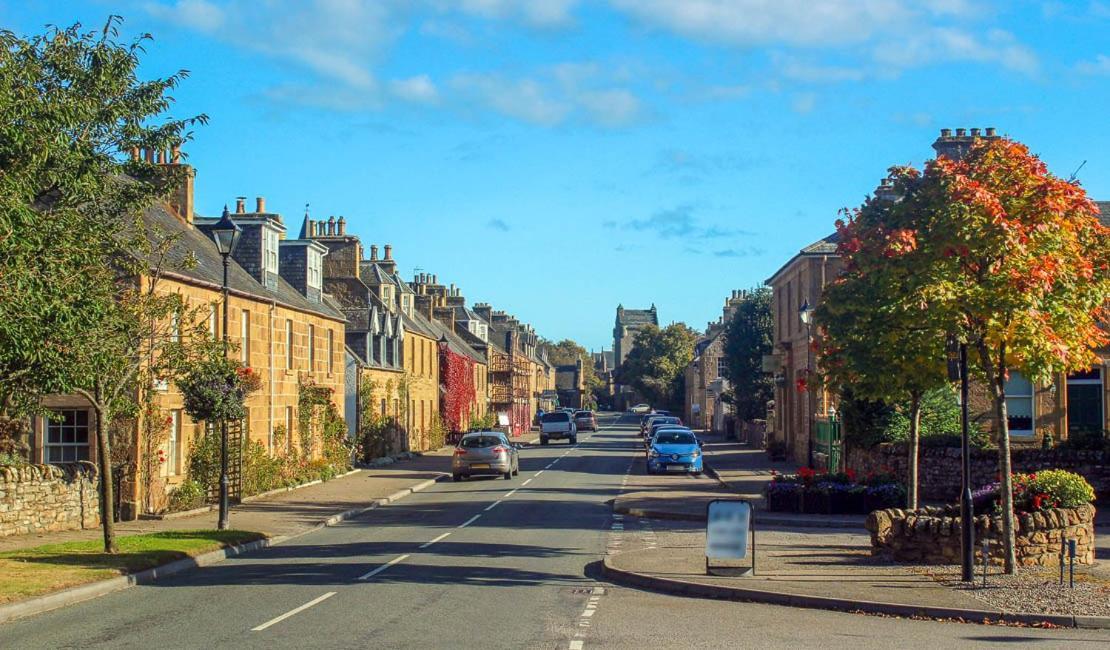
851 473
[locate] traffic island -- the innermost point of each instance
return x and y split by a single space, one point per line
829 570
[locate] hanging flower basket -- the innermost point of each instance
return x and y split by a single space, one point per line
217 388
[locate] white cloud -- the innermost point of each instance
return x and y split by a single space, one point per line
1100 65
523 99
947 44
611 107
545 14
804 103
418 90
799 70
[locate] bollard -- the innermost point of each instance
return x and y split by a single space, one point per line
986 559
1063 553
1071 564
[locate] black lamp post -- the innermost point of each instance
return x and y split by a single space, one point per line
806 314
957 369
226 235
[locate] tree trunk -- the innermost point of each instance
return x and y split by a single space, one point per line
915 443
104 460
996 378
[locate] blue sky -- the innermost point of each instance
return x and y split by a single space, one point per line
556 157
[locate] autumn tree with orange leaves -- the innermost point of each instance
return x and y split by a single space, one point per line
1014 261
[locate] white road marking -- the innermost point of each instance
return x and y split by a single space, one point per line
539 472
427 544
469 521
588 613
293 612
526 483
510 493
399 558
492 505
576 645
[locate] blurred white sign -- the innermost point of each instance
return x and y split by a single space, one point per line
503 419
727 527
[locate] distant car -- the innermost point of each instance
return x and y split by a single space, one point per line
655 420
485 453
650 437
585 420
556 426
675 450
641 408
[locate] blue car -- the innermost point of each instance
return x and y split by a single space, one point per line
674 451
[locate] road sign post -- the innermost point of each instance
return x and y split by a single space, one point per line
728 524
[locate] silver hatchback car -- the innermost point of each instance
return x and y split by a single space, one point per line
485 453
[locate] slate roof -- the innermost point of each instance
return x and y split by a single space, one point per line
639 317
455 343
823 246
208 265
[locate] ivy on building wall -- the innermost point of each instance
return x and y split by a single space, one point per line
456 375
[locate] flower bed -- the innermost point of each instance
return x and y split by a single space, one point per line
1050 508
832 494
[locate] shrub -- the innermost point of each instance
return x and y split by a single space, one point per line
1058 488
187 496
261 471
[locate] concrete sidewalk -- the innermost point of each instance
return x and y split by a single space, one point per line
288 513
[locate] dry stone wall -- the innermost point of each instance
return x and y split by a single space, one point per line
46 498
932 535
939 467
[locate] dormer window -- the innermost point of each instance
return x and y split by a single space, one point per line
269 250
315 269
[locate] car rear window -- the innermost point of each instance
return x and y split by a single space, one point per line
666 420
583 414
479 442
674 438
561 416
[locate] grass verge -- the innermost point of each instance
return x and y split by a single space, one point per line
42 569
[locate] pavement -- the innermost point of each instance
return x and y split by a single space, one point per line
482 563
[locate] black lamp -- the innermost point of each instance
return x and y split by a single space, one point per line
226 234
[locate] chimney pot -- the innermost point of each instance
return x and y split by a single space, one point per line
961 133
388 252
260 204
975 133
331 226
134 153
150 155
990 131
373 252
946 133
177 154
342 226
311 229
240 204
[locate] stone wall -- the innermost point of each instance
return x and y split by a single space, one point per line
44 498
939 467
932 535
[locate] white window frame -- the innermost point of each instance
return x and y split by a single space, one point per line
50 426
245 337
1032 397
173 442
269 249
722 365
315 263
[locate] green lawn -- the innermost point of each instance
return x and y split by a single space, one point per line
43 569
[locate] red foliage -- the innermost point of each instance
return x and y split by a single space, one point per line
457 386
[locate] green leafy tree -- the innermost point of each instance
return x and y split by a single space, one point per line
747 340
74 285
1015 262
566 353
657 363
880 335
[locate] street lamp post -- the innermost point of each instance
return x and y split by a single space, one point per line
806 314
957 369
226 235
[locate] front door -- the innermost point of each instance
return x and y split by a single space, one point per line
1085 407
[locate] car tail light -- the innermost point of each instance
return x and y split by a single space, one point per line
460 452
500 450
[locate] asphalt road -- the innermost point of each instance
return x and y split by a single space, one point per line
485 563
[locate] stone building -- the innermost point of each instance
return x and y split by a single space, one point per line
628 322
706 384
570 385
281 321
520 375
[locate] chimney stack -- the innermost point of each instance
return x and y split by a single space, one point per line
373 252
990 132
240 204
342 227
331 226
388 251
260 204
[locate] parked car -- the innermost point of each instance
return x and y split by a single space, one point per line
641 408
556 426
485 453
675 450
654 420
585 420
666 427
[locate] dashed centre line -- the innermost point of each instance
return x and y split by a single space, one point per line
526 483
540 472
399 558
440 538
469 521
293 612
492 505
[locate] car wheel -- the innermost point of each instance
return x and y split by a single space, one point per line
543 441
456 478
508 475
574 440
